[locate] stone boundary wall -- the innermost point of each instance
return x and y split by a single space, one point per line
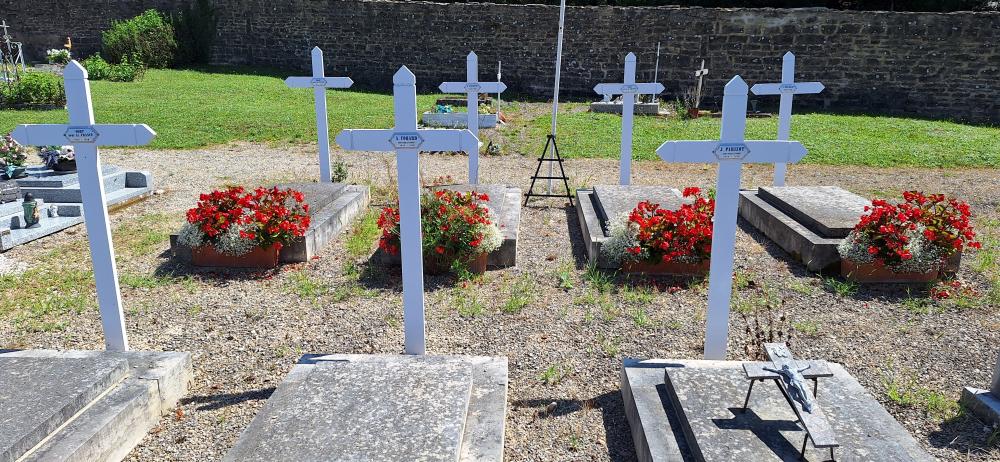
938 65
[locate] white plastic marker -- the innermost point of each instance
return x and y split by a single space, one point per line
629 91
730 152
787 88
407 141
319 83
472 87
85 136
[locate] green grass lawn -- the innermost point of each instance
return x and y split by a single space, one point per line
191 109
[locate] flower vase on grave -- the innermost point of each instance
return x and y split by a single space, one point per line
258 257
14 172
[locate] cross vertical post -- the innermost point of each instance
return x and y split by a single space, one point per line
629 91
472 87
86 136
787 88
730 152
407 141
319 82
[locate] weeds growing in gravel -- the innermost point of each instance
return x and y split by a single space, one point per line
766 322
598 278
640 318
638 295
801 287
806 327
521 294
840 287
467 303
553 374
903 390
918 305
360 241
307 287
611 346
564 275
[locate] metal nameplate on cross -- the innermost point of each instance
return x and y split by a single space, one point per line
730 152
472 87
86 136
407 141
786 88
319 82
790 376
629 90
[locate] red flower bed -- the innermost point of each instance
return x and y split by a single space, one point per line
235 220
682 235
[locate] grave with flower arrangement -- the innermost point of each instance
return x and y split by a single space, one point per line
389 407
87 405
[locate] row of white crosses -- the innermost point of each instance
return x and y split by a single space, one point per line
85 136
407 141
730 152
472 87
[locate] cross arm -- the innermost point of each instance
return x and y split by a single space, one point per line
100 135
745 152
798 88
756 371
424 140
473 87
623 88
324 82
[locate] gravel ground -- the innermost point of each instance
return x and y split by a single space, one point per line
246 330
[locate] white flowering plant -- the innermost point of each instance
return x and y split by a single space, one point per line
58 56
12 155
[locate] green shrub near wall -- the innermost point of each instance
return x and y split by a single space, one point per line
147 38
34 89
195 28
125 71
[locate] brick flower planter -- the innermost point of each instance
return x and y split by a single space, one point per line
666 269
259 257
877 272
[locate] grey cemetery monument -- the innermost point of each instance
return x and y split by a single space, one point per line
806 221
712 411
87 405
985 404
385 407
332 206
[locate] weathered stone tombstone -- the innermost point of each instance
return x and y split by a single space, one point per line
985 404
630 90
787 88
80 405
415 407
472 87
806 221
730 152
319 82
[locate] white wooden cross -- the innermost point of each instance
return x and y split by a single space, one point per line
786 89
629 91
472 87
730 152
4 25
85 136
700 73
319 83
407 141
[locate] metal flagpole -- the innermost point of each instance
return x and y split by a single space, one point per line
555 87
499 64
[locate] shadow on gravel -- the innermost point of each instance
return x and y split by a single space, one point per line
612 408
219 401
966 434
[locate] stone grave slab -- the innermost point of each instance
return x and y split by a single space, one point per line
599 205
694 412
615 107
382 408
332 208
456 120
806 221
60 194
84 405
505 202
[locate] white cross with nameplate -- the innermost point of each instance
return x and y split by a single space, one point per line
629 91
700 73
472 87
319 82
86 136
787 88
407 141
730 152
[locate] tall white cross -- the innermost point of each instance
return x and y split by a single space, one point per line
85 136
786 89
629 91
319 83
407 141
472 87
730 152
700 73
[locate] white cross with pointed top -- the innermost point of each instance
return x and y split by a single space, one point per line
319 82
629 91
787 88
407 141
86 136
731 151
472 87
